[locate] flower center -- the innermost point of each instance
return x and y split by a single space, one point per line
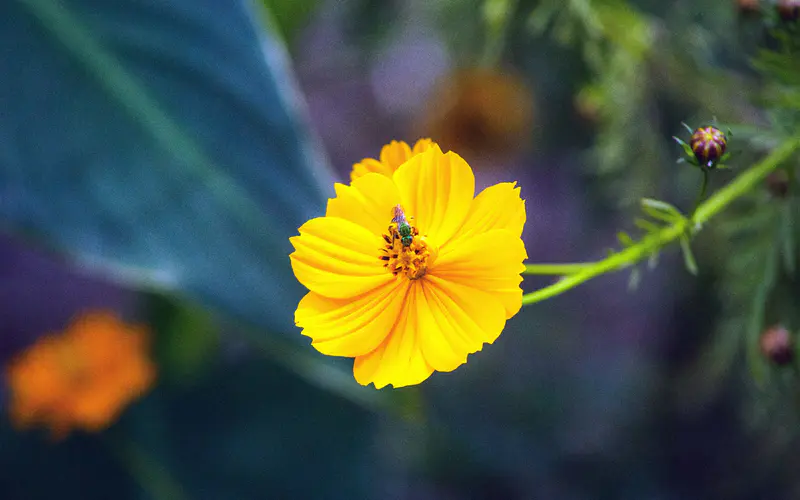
406 252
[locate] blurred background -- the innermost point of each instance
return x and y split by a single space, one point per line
156 155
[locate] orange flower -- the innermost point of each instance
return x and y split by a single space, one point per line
392 156
81 378
480 112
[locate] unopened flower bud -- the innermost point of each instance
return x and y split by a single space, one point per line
788 10
777 345
778 183
708 145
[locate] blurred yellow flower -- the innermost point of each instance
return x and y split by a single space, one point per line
392 156
409 273
81 378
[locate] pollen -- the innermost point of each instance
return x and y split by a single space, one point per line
410 260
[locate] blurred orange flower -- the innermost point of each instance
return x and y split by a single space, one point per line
481 112
81 378
392 156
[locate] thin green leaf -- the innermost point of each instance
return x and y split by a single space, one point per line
624 239
755 326
646 225
754 221
787 238
661 206
688 256
661 211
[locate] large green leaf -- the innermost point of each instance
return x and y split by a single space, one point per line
161 140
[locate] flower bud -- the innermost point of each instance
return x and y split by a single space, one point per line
708 145
778 183
788 10
777 345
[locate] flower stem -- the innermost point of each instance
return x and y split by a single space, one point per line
497 16
558 269
151 476
702 194
648 245
653 242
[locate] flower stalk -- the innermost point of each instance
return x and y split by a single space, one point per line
654 242
702 194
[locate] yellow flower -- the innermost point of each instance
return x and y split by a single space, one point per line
407 272
82 377
392 156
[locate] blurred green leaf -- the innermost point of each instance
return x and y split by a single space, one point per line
661 210
186 338
161 141
154 136
289 17
624 239
225 439
688 257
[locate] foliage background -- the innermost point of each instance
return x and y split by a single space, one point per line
156 156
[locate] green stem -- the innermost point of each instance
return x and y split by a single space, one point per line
702 194
655 241
151 476
557 269
497 16
648 245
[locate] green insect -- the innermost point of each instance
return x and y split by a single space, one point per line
405 230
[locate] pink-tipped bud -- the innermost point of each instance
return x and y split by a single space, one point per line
777 345
708 145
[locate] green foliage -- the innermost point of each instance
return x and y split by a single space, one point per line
762 231
646 74
748 274
617 42
169 154
288 18
186 338
637 60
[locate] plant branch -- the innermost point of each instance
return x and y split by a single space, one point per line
557 269
653 242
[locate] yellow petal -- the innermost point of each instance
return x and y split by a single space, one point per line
398 360
455 320
496 207
368 201
491 262
370 165
395 154
338 258
436 189
351 327
421 146
392 156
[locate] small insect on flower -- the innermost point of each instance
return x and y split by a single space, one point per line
706 148
403 228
